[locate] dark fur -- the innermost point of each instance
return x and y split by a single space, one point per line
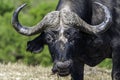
89 49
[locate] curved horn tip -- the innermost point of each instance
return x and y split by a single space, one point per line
21 7
104 7
16 12
99 4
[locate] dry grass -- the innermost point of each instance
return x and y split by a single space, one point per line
23 72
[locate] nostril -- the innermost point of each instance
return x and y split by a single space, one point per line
63 65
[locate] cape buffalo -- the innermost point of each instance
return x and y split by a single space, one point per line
78 32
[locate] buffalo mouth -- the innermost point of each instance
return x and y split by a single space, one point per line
61 72
64 72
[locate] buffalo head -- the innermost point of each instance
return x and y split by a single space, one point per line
63 33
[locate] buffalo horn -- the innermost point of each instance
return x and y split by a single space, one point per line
28 31
95 29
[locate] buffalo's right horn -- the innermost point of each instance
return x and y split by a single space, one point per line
49 20
95 29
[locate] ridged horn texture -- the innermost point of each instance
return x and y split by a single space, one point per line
47 21
53 18
96 29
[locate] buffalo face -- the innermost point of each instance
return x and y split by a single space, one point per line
62 46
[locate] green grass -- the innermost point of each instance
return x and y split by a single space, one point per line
107 63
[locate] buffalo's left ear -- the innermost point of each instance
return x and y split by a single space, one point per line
36 45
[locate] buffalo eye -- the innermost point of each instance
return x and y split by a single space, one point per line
49 38
67 34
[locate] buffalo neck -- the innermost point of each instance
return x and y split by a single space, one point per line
81 7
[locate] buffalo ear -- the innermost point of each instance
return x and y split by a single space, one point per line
36 45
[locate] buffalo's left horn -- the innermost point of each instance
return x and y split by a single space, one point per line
28 31
95 29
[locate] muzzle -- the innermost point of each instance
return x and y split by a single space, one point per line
62 68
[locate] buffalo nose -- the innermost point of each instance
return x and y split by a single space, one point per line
63 65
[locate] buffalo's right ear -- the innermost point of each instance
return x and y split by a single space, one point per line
36 45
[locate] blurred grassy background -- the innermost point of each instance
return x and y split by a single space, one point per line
12 44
